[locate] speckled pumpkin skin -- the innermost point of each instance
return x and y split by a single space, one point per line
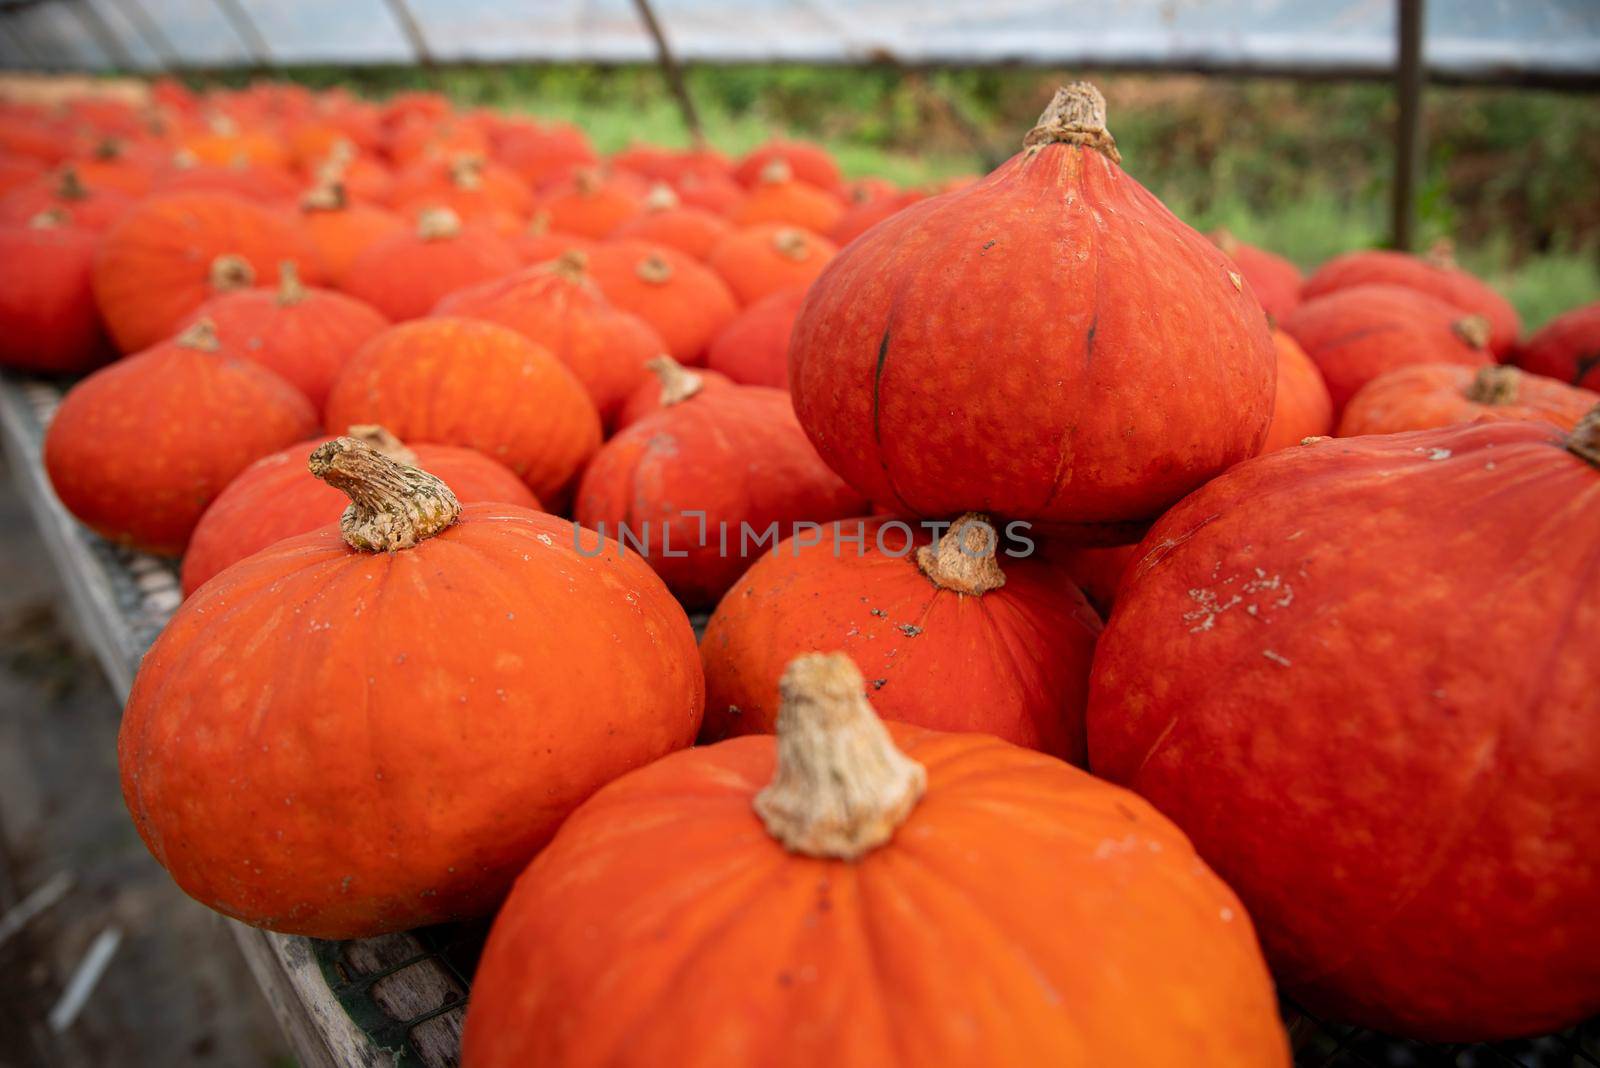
1567 348
1429 395
1012 662
1457 288
48 319
278 497
754 349
465 382
604 346
1354 335
1050 344
307 342
154 266
665 926
1302 407
736 454
340 744
139 449
1361 675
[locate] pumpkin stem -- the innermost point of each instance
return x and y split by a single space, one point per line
1076 116
466 171
570 265
71 187
201 335
1442 254
776 171
1223 238
1474 330
841 787
654 269
586 181
379 439
964 559
1584 440
327 195
791 244
660 198
539 225
392 505
678 383
437 224
50 219
230 271
108 149
290 289
1495 384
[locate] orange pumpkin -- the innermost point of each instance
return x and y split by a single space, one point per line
684 300
417 626
1098 570
170 254
539 151
1356 334
537 243
714 192
897 896
779 197
340 231
465 382
1301 407
91 207
277 497
760 260
689 480
406 275
560 308
954 636
754 349
664 220
669 383
592 204
1566 348
305 335
1428 395
806 161
473 188
859 218
138 449
48 319
1275 280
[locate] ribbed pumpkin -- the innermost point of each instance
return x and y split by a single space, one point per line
465 382
1436 275
91 208
172 253
1275 280
954 636
778 197
560 308
1050 344
664 220
48 318
686 302
1354 335
138 449
1302 407
736 455
1428 395
758 261
592 204
861 894
471 673
1566 348
278 497
806 161
668 383
404 276
1360 675
341 231
305 335
754 348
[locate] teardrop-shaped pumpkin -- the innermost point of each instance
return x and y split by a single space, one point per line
406 275
1049 344
975 632
860 894
278 497
1361 675
376 725
1428 395
139 449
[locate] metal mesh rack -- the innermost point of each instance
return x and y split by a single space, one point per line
401 999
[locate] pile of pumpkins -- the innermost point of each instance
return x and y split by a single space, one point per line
452 420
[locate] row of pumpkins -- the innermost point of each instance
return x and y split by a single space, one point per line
1359 673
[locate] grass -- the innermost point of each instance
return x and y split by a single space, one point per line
1301 168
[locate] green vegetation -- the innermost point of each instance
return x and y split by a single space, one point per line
1512 177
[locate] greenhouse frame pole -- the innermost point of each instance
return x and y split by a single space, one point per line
413 32
1408 133
672 72
104 36
154 37
249 33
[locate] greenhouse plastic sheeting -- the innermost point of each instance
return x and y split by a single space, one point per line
1470 39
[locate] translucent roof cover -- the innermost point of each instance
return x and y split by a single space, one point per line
1485 39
